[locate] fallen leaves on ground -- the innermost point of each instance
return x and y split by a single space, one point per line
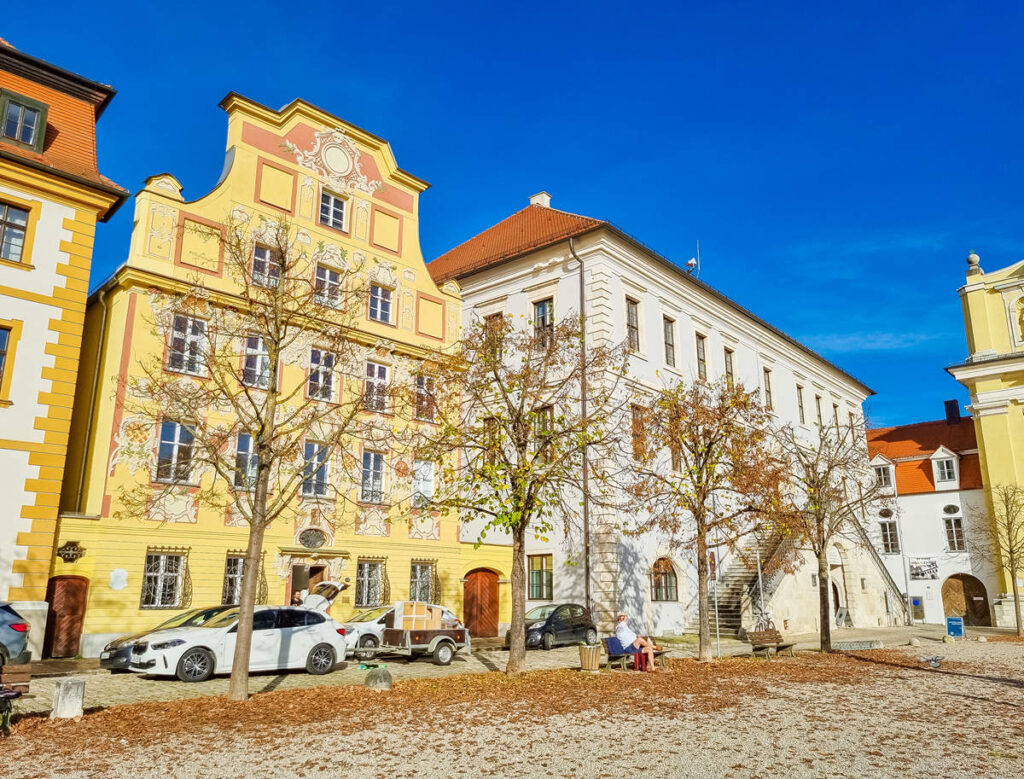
687 687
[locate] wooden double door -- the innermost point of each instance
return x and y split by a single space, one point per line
964 596
480 602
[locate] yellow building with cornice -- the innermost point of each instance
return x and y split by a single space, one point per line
51 196
993 306
342 190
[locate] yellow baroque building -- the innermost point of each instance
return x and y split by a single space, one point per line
341 189
51 197
993 306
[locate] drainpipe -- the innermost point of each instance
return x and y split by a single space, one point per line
100 342
583 414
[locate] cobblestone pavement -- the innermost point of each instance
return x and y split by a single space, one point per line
103 689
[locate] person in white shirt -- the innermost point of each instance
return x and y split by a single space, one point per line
628 639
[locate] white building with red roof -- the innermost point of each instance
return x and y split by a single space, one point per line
679 329
934 533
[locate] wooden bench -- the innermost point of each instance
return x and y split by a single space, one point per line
14 683
617 654
764 641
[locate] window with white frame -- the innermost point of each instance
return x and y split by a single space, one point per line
231 593
321 374
266 266
543 432
372 487
245 462
817 410
727 355
13 224
332 210
945 469
256 363
669 326
542 584
663 581
955 540
368 583
421 580
327 287
162 580
188 345
883 473
422 483
544 321
5 341
767 383
314 471
380 303
375 388
702 357
174 453
890 537
632 325
426 409
801 415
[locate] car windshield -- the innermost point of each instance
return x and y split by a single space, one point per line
191 619
371 615
541 612
222 621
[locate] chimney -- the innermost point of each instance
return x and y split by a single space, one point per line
952 412
541 199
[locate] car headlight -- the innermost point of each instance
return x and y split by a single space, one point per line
168 644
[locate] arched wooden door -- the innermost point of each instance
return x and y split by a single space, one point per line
66 596
964 596
480 602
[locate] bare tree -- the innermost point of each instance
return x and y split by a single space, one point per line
706 472
832 485
1008 548
511 435
248 404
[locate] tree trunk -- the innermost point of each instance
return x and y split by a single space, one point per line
238 690
703 618
1016 597
517 630
824 602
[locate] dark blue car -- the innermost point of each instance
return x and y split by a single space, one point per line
549 626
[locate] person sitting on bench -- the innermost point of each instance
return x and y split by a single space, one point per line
629 639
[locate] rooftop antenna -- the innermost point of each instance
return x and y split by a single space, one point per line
693 264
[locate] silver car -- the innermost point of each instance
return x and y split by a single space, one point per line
13 636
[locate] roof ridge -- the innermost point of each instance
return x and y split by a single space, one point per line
965 418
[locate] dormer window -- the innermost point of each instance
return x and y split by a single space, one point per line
23 120
945 470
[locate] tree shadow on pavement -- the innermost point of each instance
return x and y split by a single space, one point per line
1006 680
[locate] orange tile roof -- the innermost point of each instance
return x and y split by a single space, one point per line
73 106
920 441
533 227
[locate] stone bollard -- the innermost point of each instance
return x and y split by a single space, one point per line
947 639
378 679
982 639
915 641
68 697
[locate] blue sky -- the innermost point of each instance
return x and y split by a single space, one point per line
836 165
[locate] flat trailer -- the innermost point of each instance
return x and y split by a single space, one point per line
415 628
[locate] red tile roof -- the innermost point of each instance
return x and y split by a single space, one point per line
920 441
533 227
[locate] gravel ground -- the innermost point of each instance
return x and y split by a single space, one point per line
872 714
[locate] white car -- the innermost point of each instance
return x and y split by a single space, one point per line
365 629
282 638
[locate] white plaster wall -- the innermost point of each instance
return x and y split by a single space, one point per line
921 521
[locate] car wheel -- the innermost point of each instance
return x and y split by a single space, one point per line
548 641
591 637
443 653
196 665
321 659
370 642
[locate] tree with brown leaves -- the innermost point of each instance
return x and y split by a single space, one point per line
1008 544
831 488
248 399
706 473
511 435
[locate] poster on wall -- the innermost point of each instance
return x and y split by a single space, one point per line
924 568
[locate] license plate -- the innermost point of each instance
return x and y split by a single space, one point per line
105 656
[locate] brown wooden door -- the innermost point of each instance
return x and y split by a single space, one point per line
67 597
480 602
964 596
